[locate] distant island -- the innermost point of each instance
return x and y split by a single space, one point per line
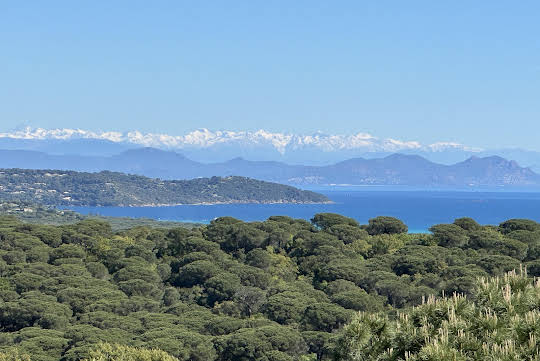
391 170
70 188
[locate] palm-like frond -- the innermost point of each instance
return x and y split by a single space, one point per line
501 324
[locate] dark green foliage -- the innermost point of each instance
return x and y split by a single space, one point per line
264 343
483 239
528 237
243 237
67 251
287 307
533 268
327 220
321 344
498 264
467 224
450 235
358 300
222 287
413 260
325 316
385 225
519 225
347 233
249 299
281 289
194 273
259 258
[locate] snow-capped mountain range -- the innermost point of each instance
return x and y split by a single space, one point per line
279 157
208 146
204 138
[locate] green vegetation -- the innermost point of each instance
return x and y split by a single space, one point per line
282 289
502 323
106 352
38 214
53 187
13 355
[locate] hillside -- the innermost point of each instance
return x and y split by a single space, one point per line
65 188
395 169
46 215
279 290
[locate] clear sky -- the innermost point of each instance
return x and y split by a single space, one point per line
466 71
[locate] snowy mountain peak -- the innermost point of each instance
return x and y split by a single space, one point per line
205 138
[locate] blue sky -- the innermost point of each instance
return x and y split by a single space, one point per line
465 71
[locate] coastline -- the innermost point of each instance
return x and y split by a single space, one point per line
228 202
155 205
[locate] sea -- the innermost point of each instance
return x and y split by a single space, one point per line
419 209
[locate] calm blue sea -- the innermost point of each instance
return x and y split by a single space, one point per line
418 209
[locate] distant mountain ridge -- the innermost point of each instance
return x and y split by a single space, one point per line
395 169
206 146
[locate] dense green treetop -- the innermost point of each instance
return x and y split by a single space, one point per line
282 289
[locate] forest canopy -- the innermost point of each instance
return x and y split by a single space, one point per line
282 289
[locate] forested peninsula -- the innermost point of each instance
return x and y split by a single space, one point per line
69 188
280 290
